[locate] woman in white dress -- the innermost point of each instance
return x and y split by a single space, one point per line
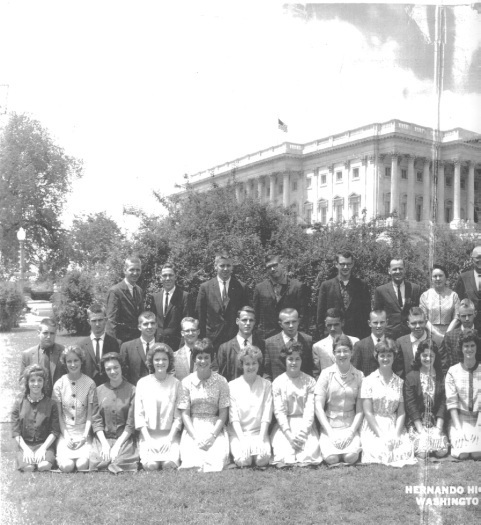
339 407
74 394
294 438
250 412
156 414
383 436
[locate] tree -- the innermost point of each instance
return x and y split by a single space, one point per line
35 178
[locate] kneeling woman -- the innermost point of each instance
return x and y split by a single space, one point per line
294 438
74 393
250 412
383 436
339 406
425 402
113 420
463 400
35 423
156 413
204 403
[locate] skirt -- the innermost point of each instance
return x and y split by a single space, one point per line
283 451
76 433
429 442
376 450
469 439
49 455
126 461
256 447
160 436
329 449
213 459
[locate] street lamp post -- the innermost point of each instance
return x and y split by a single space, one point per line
21 239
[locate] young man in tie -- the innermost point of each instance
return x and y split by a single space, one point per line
409 343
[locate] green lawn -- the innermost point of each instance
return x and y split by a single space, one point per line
356 495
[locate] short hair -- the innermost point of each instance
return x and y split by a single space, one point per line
416 310
344 253
222 255
48 321
246 309
342 340
249 351
466 337
396 259
467 303
289 348
288 311
270 257
96 308
33 370
377 312
440 267
189 320
388 345
147 315
335 313
158 348
73 349
428 344
169 266
113 356
132 259
203 346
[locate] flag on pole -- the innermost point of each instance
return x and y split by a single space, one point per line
281 125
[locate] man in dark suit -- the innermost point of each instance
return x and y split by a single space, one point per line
363 357
396 298
277 292
468 286
134 352
228 352
289 323
125 302
348 294
218 302
409 343
46 354
97 344
170 306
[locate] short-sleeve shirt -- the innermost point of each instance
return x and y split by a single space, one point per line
204 397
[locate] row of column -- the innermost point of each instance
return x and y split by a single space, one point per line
257 190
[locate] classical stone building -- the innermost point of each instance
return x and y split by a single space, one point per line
413 172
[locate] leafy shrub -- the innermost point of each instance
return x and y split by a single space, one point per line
11 306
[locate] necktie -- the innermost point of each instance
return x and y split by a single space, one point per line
399 296
345 295
166 302
224 294
97 349
378 340
246 342
147 349
136 296
46 365
191 363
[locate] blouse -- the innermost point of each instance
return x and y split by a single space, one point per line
463 388
385 398
35 421
204 397
114 409
75 397
439 308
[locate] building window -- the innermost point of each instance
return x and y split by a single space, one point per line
268 191
338 208
448 211
387 171
308 213
449 180
355 206
322 209
323 179
476 185
355 173
404 174
419 209
281 188
419 176
338 176
463 183
294 186
309 183
387 204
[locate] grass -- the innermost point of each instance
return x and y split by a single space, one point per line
354 495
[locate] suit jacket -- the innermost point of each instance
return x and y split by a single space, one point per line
322 355
133 355
274 367
406 347
414 398
215 322
356 315
466 289
363 358
386 299
182 365
34 355
449 350
123 312
227 357
91 367
168 323
294 294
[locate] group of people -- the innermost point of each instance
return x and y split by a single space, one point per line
240 383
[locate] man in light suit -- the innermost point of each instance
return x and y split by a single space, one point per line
170 306
277 292
363 353
348 294
289 322
125 302
46 354
228 352
468 286
97 343
183 363
396 298
134 352
322 351
218 302
409 343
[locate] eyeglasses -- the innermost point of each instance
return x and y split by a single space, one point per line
191 331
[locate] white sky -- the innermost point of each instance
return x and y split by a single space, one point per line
144 92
